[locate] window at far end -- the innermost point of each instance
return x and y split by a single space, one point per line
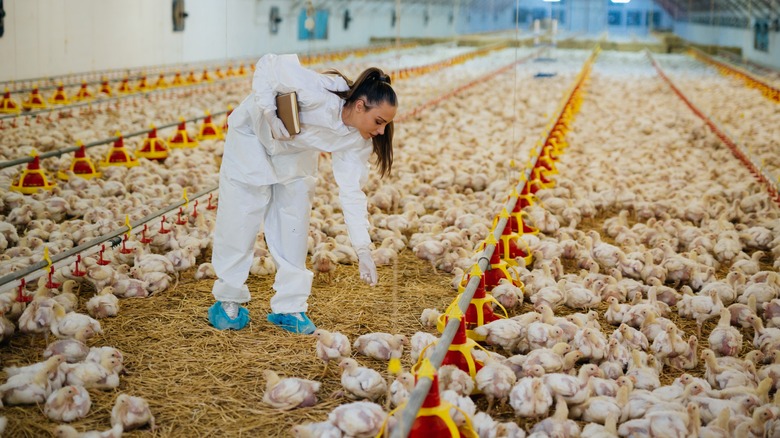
179 15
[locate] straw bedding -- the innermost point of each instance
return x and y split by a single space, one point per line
200 381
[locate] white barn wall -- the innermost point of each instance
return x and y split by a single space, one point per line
54 37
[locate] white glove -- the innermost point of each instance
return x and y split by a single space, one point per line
367 266
278 131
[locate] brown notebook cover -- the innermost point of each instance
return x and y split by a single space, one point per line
287 111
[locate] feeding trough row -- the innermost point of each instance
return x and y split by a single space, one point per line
142 83
753 165
422 416
728 69
153 147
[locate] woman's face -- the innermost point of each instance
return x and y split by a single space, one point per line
371 120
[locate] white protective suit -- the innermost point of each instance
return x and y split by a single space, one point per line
264 180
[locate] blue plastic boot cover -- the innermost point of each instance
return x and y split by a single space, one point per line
219 319
293 322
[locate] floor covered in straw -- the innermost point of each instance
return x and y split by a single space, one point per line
200 381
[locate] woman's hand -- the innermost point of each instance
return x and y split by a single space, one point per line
367 266
278 131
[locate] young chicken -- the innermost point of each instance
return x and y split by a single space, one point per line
530 398
65 431
452 378
67 404
331 346
91 375
495 380
26 388
419 342
73 350
68 325
111 358
361 382
506 293
506 333
324 261
725 340
131 413
558 424
289 393
358 419
324 429
400 389
104 304
382 346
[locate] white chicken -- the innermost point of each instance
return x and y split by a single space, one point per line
421 341
495 380
400 389
65 431
131 413
507 294
73 350
358 419
67 404
530 398
452 378
67 326
503 332
324 429
331 346
91 375
558 424
104 304
725 340
361 382
382 346
289 393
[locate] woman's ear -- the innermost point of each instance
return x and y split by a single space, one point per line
360 105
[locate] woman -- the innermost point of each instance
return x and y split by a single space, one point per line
268 177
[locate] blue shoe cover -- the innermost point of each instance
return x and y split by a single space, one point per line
219 319
293 322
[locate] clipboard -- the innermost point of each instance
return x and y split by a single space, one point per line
287 111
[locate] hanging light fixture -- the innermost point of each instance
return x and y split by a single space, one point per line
620 1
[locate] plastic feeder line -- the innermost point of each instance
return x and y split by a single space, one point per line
60 97
181 139
153 147
118 155
208 130
479 311
512 245
8 105
83 94
517 219
32 178
81 165
34 100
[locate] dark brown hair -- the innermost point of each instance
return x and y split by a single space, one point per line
373 86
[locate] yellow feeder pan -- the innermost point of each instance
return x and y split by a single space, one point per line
479 311
498 268
124 86
59 97
118 155
153 148
208 130
34 100
205 77
230 72
181 139
177 80
434 418
512 245
161 82
32 178
143 85
8 105
105 87
241 70
83 94
81 165
191 79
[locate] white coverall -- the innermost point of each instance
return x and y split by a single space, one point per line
270 181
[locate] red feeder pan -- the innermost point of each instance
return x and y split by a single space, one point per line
181 139
32 178
81 165
8 105
208 130
153 148
118 155
34 101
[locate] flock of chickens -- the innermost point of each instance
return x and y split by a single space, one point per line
651 221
